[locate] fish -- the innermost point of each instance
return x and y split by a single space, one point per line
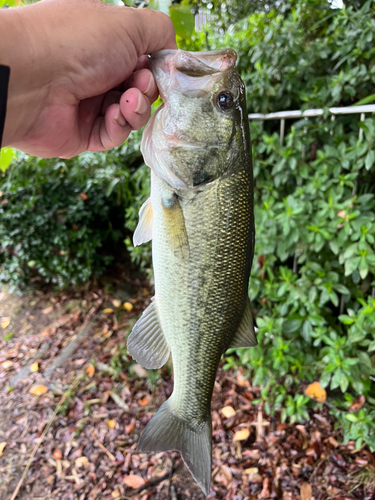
200 218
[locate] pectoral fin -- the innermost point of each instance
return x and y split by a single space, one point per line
175 226
245 336
143 232
147 343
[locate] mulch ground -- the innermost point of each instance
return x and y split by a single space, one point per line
76 439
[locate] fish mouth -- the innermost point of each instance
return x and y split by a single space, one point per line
189 70
194 63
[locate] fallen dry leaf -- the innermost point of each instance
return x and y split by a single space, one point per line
333 441
316 391
111 424
228 411
358 403
362 462
241 380
38 390
81 462
227 472
90 370
57 455
252 470
127 306
144 401
47 310
130 427
116 303
306 491
241 435
133 481
5 323
2 446
108 310
34 367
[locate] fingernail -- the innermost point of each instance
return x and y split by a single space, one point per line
142 105
119 117
150 85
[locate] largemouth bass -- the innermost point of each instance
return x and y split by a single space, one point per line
200 219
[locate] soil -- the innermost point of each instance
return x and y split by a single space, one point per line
73 405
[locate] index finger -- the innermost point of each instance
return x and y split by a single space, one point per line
153 31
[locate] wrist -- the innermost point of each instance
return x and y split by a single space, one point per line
21 51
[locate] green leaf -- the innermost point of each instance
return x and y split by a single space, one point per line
351 417
6 156
292 326
183 20
366 100
347 320
370 159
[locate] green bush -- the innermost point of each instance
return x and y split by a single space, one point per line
313 277
62 221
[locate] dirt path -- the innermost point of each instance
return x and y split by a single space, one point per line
74 348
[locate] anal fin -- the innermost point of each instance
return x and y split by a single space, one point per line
143 232
147 343
245 335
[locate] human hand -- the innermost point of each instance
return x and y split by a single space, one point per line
79 74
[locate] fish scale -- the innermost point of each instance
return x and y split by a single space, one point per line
200 219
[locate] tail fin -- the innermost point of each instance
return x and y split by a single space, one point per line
168 432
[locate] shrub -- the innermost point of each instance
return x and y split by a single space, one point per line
61 221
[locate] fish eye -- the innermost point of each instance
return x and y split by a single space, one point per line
225 100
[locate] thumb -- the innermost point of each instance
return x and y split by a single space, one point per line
153 31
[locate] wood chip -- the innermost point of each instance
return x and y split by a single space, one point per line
81 462
306 491
116 398
140 371
228 411
241 435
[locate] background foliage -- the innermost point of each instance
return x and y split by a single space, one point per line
313 278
